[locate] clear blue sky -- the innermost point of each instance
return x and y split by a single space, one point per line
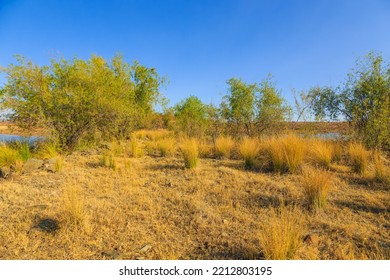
200 44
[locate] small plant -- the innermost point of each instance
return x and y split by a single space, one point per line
281 235
321 153
224 147
190 153
358 157
59 163
249 150
316 185
166 146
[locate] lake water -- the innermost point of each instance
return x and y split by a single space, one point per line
10 138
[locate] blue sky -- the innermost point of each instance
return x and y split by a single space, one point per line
200 44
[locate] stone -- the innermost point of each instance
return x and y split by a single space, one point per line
50 164
31 165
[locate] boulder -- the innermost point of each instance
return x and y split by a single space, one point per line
5 172
50 164
31 165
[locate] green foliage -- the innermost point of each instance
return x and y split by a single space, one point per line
78 97
364 101
253 108
191 116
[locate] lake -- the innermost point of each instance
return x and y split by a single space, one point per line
10 138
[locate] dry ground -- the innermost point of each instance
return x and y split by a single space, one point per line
152 208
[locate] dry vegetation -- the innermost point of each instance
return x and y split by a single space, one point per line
144 199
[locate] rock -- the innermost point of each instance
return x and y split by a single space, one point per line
31 165
47 225
5 172
312 239
146 248
51 164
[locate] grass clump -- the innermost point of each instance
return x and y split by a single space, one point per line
190 153
223 146
23 149
381 173
108 160
9 157
281 235
275 152
136 150
249 150
316 185
205 149
74 207
46 150
166 147
294 152
358 156
321 153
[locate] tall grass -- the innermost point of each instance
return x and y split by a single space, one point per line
321 153
189 150
358 157
166 147
316 185
285 153
281 235
23 149
9 157
249 150
108 160
381 173
74 207
224 146
46 150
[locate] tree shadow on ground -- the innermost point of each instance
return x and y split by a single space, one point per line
360 207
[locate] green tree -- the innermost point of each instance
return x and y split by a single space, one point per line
364 101
191 116
75 98
271 109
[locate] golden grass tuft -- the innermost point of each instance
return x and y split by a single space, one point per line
73 206
316 185
108 160
190 152
358 157
9 157
249 150
166 147
321 153
136 150
381 173
281 234
205 149
294 152
273 148
46 150
152 134
224 146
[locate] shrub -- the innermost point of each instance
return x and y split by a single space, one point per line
190 153
358 157
224 146
321 153
249 150
281 235
316 184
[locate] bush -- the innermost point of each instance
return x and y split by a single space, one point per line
190 153
316 185
224 147
281 235
358 156
249 150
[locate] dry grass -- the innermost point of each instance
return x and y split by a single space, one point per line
166 147
152 134
249 150
316 185
189 150
274 150
358 156
381 172
46 150
218 211
282 234
321 153
205 149
224 146
294 152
